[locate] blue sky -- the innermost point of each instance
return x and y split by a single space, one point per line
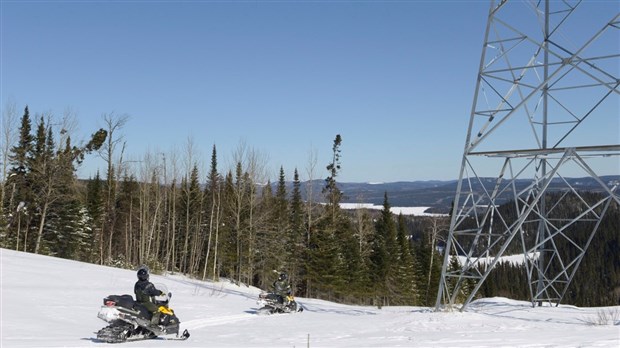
394 78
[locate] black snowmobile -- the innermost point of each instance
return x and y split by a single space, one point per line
129 320
272 303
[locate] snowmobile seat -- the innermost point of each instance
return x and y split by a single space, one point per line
125 301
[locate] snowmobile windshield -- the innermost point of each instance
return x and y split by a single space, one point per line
163 288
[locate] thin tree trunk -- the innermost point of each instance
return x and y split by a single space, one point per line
19 225
43 217
217 230
173 247
204 272
151 234
101 241
187 232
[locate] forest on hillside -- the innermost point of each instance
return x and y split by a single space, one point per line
229 224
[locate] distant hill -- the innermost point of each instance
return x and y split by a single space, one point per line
435 193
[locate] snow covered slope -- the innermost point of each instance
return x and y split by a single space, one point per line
51 302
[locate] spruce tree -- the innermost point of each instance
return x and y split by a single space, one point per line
212 204
325 264
281 241
364 234
331 190
406 285
95 207
281 210
67 217
20 198
385 256
265 260
124 246
429 271
43 170
297 244
191 201
228 255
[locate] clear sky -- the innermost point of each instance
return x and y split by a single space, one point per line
394 78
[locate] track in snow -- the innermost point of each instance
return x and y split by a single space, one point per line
200 323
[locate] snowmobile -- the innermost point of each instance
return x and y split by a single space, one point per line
129 320
272 303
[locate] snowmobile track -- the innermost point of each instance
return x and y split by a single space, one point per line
200 323
119 334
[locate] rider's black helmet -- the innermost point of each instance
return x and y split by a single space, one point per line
143 273
282 276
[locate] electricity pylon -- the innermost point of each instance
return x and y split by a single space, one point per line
546 109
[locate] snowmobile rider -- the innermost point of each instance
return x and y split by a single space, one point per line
282 288
144 290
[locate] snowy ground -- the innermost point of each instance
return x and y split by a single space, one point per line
50 302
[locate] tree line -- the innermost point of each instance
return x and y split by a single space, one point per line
212 225
235 224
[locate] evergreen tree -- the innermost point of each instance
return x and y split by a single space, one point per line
385 256
57 223
95 208
429 272
455 266
212 203
265 259
331 190
43 170
238 205
297 243
406 285
110 215
325 264
352 285
364 234
190 210
20 196
124 244
280 242
228 255
281 211
68 233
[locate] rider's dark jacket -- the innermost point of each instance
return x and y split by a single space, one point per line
144 290
282 288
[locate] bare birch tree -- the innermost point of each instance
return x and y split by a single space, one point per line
150 204
192 201
113 124
171 173
9 137
438 225
256 164
9 134
249 169
310 172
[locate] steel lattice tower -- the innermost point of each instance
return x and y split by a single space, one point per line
546 108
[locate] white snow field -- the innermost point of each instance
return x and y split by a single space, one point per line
52 302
